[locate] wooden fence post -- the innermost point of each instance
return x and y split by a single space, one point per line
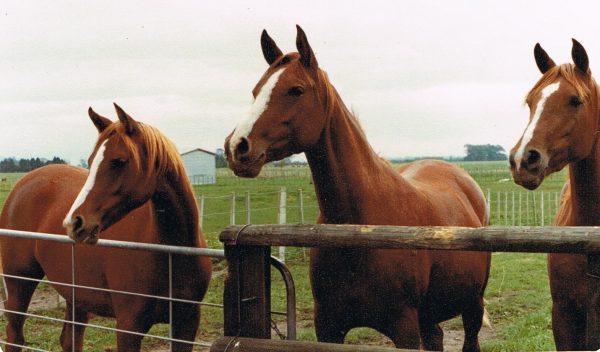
247 293
593 307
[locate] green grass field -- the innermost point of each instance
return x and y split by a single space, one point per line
517 296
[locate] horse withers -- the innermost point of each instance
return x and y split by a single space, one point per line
403 294
563 132
136 190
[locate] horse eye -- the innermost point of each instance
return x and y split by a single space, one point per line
574 101
117 163
295 91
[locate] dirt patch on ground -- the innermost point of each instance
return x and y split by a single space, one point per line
453 334
453 339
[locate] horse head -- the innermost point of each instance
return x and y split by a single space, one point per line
563 121
121 177
286 116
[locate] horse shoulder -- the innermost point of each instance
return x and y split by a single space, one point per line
40 195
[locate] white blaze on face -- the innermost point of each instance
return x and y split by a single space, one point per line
260 104
89 184
529 131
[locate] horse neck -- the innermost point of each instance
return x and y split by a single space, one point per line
584 177
176 211
344 167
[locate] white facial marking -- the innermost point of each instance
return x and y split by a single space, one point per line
89 184
528 134
259 106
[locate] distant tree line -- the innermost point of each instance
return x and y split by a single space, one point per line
484 152
26 165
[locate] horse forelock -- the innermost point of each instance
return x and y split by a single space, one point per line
571 74
160 151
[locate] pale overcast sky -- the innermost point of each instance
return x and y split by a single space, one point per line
425 77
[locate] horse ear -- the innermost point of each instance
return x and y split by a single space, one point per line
580 57
127 121
543 61
270 50
99 121
307 56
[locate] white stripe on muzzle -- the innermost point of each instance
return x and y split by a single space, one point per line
258 107
89 184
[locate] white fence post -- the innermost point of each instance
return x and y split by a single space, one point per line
506 208
542 208
527 208
247 207
232 210
513 208
498 214
520 208
201 211
282 217
301 206
301 210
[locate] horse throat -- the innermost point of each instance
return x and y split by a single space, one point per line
342 165
584 177
176 212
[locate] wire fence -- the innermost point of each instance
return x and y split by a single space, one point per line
170 251
506 207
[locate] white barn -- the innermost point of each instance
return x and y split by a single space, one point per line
200 166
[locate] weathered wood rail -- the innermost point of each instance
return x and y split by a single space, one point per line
247 248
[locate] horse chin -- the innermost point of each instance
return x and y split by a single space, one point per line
531 182
86 236
250 171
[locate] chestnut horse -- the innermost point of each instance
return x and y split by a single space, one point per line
137 190
403 294
563 130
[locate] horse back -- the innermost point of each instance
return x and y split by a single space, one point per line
449 192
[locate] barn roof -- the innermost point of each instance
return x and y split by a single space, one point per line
199 150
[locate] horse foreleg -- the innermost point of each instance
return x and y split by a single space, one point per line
66 336
568 326
405 331
472 318
432 336
330 328
137 325
186 319
19 297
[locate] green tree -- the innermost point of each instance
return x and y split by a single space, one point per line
484 152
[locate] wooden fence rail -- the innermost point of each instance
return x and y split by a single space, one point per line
247 249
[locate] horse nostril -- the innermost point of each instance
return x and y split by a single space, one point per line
511 160
243 146
78 223
533 157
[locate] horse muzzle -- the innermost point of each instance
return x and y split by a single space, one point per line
243 159
528 171
81 231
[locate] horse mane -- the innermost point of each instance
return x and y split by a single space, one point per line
333 101
160 150
570 73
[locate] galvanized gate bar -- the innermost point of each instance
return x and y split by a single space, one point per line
215 253
290 289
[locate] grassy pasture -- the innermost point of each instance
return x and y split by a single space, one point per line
517 296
